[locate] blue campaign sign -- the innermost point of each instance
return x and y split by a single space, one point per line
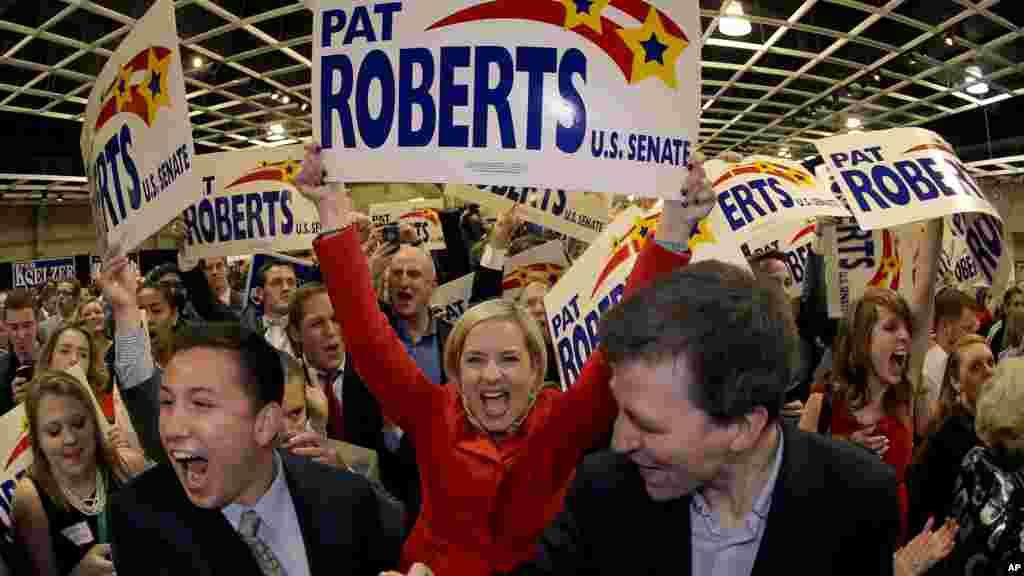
33 273
305 271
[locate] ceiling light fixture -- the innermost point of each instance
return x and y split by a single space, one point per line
275 96
304 106
276 129
733 23
197 62
853 122
286 99
976 86
949 40
878 77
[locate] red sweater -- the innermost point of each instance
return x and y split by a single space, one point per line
485 504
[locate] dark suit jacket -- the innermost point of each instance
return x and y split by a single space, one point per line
834 511
157 530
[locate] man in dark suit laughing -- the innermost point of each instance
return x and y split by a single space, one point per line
704 479
228 502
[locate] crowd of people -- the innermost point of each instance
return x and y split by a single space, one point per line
720 428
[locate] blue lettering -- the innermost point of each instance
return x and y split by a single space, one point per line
254 208
880 174
336 101
729 210
410 96
387 11
485 97
222 209
191 226
135 192
333 21
376 66
238 217
206 220
915 179
860 186
537 63
570 138
452 95
360 27
569 370
286 211
270 198
113 149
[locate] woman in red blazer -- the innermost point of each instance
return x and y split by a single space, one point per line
496 453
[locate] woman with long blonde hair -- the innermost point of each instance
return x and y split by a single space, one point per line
61 506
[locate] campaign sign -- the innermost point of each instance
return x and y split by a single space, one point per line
793 240
902 175
305 271
545 263
978 250
760 193
600 95
859 259
595 283
580 215
451 300
34 273
250 203
422 215
16 451
137 138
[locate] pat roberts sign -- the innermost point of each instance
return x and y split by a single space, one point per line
600 95
137 138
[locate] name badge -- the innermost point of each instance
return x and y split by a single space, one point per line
79 533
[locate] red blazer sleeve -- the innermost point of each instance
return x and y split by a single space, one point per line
584 415
405 395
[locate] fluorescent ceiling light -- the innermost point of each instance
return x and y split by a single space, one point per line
197 62
276 129
286 99
853 122
976 86
733 23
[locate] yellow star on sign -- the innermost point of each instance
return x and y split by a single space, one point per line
586 12
703 235
291 169
123 88
655 51
155 88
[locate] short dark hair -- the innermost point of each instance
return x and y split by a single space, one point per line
261 363
20 299
950 305
162 270
165 292
261 274
736 331
769 255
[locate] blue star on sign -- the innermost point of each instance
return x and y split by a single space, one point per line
584 6
121 86
655 50
154 83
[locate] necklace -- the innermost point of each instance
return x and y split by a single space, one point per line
93 505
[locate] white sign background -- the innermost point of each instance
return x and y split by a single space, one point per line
427 229
525 93
544 260
903 175
451 300
249 210
140 162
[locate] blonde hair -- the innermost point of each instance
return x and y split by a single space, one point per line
1000 411
496 310
63 384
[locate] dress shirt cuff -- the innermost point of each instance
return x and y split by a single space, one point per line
493 258
132 359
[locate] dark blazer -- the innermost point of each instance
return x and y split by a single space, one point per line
157 530
834 511
931 480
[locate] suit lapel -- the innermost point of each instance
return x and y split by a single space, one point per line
778 546
308 515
